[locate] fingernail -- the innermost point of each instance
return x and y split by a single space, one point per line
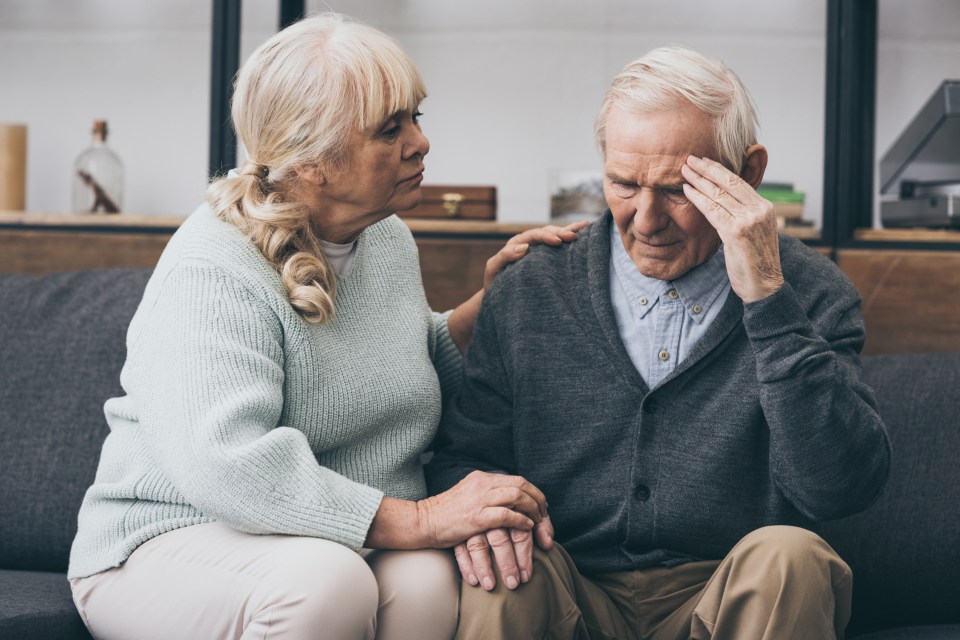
524 577
488 584
522 247
472 580
511 582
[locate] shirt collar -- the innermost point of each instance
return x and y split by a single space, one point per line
698 289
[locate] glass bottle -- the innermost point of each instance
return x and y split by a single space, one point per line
98 176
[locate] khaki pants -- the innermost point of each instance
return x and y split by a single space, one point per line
777 583
211 582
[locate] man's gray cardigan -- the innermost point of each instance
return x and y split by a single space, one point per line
766 422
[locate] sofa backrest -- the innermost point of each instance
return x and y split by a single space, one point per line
62 345
905 549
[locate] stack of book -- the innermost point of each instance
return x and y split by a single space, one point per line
787 203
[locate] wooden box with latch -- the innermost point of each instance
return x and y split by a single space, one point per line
455 202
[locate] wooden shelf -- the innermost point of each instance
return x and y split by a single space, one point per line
166 222
89 220
907 235
132 221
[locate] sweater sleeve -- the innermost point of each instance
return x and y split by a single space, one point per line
205 375
447 359
829 450
476 430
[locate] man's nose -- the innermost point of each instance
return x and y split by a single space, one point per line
651 216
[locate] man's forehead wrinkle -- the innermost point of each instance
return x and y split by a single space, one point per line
642 167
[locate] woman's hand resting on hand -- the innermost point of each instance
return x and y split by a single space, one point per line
480 502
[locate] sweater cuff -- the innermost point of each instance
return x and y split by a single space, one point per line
360 506
777 314
781 335
447 359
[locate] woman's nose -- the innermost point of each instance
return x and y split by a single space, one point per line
417 144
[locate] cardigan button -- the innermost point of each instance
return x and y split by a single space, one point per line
642 492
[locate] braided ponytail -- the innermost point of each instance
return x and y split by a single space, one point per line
282 233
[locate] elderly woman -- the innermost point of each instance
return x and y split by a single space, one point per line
283 375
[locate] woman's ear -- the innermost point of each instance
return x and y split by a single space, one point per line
310 174
754 165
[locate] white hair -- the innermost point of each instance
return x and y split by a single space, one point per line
668 77
296 102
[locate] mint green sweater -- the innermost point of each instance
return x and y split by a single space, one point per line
236 410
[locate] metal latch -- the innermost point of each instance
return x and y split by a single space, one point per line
451 203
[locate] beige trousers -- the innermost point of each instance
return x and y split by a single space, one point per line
210 582
778 583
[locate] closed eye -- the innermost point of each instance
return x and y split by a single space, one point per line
624 189
674 194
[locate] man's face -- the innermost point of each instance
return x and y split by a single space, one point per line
661 230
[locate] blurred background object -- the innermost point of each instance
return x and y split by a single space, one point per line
13 167
98 176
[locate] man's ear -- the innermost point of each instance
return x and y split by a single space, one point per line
310 173
754 165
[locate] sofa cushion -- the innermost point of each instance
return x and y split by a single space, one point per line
905 549
35 604
931 632
63 338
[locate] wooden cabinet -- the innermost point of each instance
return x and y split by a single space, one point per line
911 298
453 253
40 243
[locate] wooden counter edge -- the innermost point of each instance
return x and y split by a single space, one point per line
154 223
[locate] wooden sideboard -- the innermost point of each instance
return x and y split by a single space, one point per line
911 299
453 253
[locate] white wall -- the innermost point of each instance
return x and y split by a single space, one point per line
144 67
514 86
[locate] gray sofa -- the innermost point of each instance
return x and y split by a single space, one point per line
62 346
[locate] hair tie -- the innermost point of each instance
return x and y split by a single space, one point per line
254 168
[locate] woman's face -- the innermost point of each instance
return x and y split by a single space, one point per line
382 176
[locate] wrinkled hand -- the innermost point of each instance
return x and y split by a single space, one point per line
518 245
746 224
512 550
479 502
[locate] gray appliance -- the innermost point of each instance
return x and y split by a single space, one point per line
920 173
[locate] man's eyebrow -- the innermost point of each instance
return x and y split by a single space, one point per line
617 179
613 177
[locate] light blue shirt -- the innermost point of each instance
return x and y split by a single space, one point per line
661 321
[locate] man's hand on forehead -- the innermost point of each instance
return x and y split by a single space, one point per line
745 222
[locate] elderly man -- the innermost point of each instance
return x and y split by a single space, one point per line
682 384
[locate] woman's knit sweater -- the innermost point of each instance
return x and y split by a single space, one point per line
239 411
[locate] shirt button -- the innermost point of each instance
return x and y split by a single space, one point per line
697 308
642 300
664 355
642 492
672 294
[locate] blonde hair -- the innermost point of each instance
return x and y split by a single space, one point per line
296 101
668 77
